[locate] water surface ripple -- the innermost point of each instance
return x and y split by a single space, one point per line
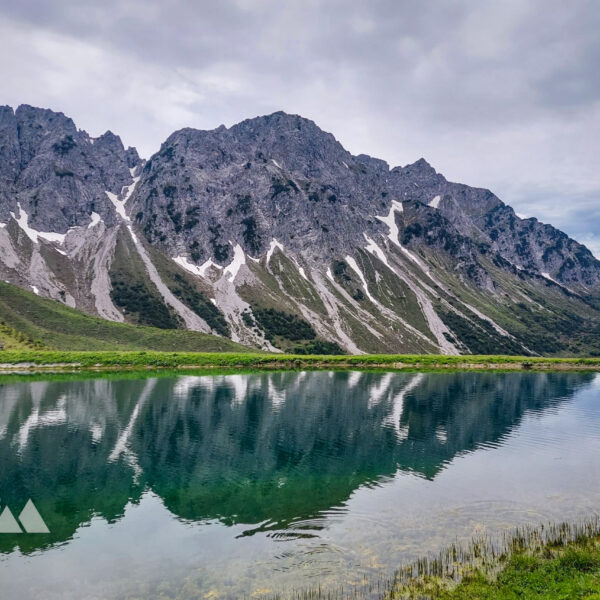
249 485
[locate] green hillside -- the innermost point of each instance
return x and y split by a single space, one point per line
29 321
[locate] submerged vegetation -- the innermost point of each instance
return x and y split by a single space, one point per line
543 563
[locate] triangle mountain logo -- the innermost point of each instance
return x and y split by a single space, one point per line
8 524
30 519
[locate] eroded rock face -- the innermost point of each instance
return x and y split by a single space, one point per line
57 173
271 226
282 174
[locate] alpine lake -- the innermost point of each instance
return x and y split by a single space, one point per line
267 484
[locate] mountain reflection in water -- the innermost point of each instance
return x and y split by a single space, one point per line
239 486
262 450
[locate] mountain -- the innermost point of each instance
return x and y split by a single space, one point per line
272 234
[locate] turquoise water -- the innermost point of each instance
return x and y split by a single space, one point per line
247 485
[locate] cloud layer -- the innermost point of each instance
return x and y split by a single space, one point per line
503 95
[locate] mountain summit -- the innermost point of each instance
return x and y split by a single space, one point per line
269 232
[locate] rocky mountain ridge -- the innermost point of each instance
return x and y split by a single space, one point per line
271 233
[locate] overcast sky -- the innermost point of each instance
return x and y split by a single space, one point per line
499 94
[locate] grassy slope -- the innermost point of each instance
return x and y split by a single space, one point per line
544 318
30 321
11 339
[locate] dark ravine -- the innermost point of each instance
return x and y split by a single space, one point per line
270 233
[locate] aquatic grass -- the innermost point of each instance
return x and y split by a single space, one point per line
487 554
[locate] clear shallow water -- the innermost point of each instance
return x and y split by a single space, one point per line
229 486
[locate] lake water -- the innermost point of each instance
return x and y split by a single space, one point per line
247 485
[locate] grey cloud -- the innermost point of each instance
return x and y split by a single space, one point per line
498 94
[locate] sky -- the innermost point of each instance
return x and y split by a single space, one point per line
501 94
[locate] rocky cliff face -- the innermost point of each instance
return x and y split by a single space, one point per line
271 233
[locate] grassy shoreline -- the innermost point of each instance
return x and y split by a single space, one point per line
545 562
19 360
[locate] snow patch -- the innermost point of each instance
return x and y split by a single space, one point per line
132 233
33 234
435 203
416 260
191 319
35 290
95 220
207 265
373 248
126 192
548 276
182 261
239 259
330 275
274 244
2 225
345 164
119 206
276 163
214 301
200 271
301 271
353 264
390 221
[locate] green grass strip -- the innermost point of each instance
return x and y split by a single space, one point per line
152 359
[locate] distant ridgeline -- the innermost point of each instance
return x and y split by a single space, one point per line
271 234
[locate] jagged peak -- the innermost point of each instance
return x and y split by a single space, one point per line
272 119
277 117
421 165
281 121
378 163
6 109
110 140
26 111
